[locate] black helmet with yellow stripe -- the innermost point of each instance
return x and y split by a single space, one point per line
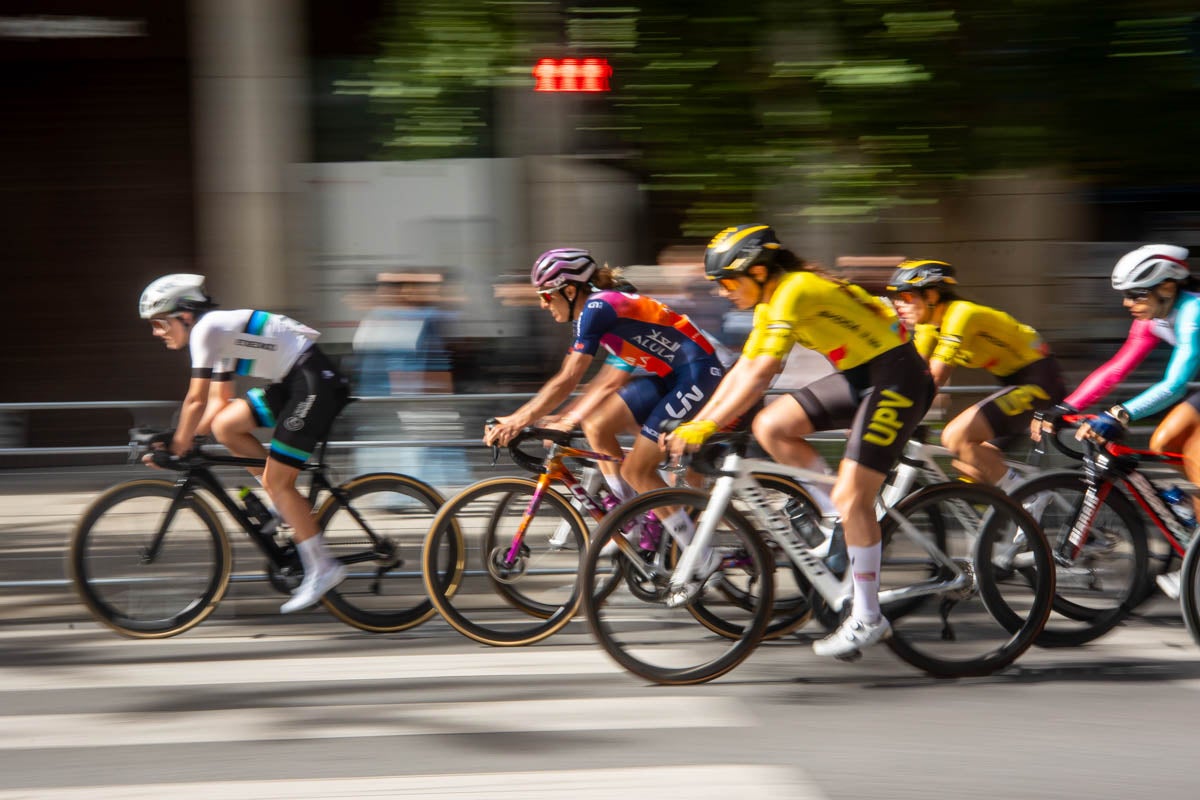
737 249
921 274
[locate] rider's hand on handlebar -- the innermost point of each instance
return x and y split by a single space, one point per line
502 430
688 437
1104 427
1048 421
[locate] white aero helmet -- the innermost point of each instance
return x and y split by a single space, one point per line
170 293
1149 266
554 268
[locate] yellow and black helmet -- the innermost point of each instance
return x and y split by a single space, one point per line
921 274
737 249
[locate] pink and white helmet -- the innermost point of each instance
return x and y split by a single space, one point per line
1150 265
554 268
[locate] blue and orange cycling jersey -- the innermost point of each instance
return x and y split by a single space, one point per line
639 331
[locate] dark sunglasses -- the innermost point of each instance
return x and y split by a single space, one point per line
1137 294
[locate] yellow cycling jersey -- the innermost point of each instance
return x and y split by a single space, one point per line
842 321
980 337
925 338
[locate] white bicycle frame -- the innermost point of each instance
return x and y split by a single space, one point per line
737 479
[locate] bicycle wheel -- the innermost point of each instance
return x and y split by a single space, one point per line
993 589
1109 576
668 645
1189 590
135 592
544 577
791 608
383 591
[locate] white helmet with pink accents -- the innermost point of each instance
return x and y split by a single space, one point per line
556 268
1150 265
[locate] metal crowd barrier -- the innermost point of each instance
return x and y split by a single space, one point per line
504 400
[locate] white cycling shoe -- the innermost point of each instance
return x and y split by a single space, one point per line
313 588
848 641
1169 582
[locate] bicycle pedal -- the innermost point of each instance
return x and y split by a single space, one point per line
851 657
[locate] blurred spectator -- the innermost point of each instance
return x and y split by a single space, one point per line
400 349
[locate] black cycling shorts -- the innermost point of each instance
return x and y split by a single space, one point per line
301 407
1032 388
881 402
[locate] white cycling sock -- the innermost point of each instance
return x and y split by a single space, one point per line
864 568
820 491
620 489
680 526
313 555
1010 479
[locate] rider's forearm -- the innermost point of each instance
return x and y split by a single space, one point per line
190 416
740 390
556 390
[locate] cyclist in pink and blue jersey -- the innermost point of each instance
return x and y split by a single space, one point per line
1160 293
659 366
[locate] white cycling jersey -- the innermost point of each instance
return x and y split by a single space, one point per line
247 342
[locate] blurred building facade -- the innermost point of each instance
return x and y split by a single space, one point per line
143 137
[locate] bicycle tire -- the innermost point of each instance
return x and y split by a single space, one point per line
177 591
649 643
789 613
1099 563
546 579
1001 614
379 595
1189 590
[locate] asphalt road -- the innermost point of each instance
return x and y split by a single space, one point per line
252 704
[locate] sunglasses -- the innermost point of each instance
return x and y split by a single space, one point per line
904 297
1136 294
728 284
547 294
162 324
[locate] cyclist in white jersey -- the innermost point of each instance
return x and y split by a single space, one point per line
305 394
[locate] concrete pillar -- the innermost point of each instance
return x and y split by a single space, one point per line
249 126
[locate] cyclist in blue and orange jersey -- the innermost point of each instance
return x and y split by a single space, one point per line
1161 295
659 366
880 391
952 332
306 393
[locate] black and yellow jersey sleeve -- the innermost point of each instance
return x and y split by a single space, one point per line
979 337
842 321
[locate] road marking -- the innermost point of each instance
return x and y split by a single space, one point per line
343 669
696 782
291 723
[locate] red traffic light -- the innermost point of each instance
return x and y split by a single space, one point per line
572 75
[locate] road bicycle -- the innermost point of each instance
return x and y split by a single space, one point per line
151 558
525 538
950 550
1093 519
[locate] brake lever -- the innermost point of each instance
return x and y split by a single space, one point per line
488 424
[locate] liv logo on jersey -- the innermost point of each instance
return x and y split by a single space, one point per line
687 399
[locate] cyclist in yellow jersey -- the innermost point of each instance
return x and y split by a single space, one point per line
880 392
951 333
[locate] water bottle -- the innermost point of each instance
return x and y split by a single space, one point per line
1181 506
258 512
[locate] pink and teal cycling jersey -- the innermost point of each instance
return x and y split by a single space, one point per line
640 332
1180 328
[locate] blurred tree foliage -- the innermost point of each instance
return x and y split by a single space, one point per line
860 105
